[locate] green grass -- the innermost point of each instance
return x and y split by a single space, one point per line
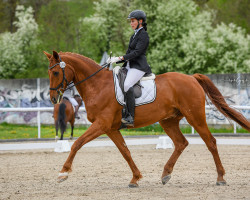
13 131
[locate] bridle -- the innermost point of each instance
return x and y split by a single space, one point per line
62 65
59 88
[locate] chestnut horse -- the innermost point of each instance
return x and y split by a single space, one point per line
63 113
178 96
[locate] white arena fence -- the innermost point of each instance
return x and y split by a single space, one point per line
35 109
50 109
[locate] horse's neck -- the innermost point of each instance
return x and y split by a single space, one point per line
90 88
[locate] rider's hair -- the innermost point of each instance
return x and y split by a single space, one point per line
144 24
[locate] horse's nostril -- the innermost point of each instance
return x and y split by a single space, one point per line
53 99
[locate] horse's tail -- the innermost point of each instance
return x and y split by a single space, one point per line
218 100
61 117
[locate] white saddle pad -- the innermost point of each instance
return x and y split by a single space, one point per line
148 91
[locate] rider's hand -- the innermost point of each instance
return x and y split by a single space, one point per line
114 59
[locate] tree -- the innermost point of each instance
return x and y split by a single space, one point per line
106 30
231 11
170 21
182 37
224 49
8 8
56 27
16 48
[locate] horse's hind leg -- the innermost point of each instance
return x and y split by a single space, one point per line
61 134
72 122
72 130
171 127
197 119
117 138
56 126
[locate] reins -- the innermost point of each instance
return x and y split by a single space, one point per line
103 66
62 66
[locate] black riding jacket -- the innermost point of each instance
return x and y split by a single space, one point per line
136 53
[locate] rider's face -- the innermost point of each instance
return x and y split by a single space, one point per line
133 23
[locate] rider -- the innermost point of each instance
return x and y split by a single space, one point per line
69 93
135 61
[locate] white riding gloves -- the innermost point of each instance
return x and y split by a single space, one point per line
114 59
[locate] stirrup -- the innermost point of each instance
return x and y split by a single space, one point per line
127 121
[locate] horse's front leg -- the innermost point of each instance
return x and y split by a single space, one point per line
117 138
93 132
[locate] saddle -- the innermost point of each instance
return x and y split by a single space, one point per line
121 74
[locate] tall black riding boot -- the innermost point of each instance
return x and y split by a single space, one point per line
76 112
129 107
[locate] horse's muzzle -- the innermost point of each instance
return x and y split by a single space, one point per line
57 99
53 100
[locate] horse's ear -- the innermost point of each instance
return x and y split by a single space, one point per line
47 54
55 55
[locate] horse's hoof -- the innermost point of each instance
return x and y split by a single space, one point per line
221 183
165 179
133 185
61 179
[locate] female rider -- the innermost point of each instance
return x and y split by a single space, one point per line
135 61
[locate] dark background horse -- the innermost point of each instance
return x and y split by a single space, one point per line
63 113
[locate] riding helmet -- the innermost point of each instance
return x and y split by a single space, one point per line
137 14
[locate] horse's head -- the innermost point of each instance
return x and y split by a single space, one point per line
60 75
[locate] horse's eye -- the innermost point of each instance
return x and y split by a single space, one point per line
55 73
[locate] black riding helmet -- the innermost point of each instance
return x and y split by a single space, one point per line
138 14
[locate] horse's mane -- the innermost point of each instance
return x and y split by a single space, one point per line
81 57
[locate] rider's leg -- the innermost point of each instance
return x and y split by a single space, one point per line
75 104
76 112
129 107
133 76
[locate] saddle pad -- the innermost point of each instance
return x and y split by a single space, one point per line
148 92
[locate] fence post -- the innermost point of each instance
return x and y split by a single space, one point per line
235 127
192 130
38 112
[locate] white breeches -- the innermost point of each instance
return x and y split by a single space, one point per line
133 76
73 101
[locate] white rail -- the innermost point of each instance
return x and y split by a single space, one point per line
50 109
35 109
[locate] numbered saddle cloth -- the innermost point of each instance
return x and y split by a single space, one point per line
148 89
